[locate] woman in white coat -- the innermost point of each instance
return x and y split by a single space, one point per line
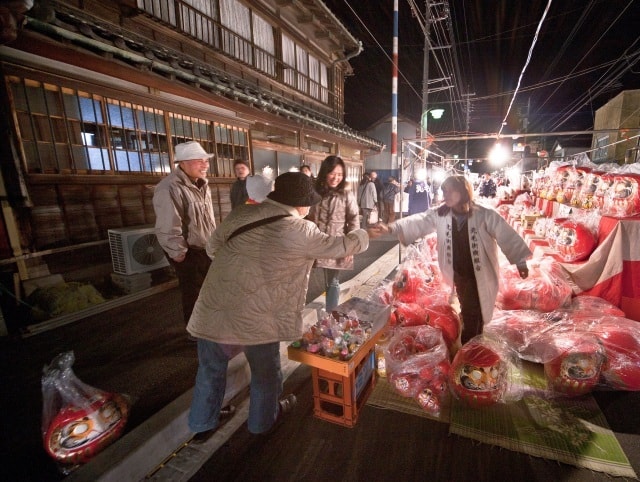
253 296
468 237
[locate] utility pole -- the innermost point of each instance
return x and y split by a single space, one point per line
425 72
429 19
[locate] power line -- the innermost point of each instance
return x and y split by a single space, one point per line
535 39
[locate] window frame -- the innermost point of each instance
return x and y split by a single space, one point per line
124 134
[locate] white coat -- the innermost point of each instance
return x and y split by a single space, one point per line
256 287
486 228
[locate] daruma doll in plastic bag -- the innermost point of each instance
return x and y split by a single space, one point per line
545 289
481 372
78 421
573 190
576 368
584 198
623 197
572 181
620 338
575 241
602 190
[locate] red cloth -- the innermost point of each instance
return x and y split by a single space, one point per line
613 270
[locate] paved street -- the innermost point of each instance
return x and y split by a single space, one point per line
139 349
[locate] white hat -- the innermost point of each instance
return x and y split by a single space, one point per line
258 187
188 151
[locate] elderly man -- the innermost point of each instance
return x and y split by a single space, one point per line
253 298
184 219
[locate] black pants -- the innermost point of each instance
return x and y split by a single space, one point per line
470 310
191 273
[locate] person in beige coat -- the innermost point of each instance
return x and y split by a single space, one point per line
468 237
185 220
336 214
253 296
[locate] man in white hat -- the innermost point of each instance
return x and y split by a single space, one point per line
185 220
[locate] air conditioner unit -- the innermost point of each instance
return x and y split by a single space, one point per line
135 250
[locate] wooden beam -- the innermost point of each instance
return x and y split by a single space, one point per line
305 18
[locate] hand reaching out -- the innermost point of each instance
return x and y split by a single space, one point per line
377 230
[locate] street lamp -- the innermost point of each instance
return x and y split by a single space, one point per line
436 113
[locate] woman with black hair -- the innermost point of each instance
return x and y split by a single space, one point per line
336 214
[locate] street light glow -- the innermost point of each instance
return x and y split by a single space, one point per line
498 155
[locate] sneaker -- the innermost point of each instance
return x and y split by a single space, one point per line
226 414
287 404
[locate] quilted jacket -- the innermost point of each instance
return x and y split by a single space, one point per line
256 287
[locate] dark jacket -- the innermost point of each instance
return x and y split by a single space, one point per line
487 188
419 196
239 194
389 192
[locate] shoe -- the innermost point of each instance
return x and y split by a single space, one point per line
226 414
287 404
202 437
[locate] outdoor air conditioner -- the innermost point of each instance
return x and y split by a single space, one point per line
135 250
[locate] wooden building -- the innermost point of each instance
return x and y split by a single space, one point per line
96 94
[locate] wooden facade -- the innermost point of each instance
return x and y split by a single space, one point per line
95 95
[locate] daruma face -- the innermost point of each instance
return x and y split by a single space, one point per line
478 375
576 369
623 197
574 241
76 434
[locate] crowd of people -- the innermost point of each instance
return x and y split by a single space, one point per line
264 250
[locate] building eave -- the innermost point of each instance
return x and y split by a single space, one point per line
125 46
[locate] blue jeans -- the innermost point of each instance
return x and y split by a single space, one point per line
332 287
211 379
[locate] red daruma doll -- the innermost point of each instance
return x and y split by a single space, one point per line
78 420
479 374
576 369
574 241
623 198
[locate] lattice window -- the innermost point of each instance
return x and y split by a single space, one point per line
65 130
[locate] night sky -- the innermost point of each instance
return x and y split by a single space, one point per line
586 52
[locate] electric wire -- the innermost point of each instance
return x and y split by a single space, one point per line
601 85
582 100
535 39
567 40
446 62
